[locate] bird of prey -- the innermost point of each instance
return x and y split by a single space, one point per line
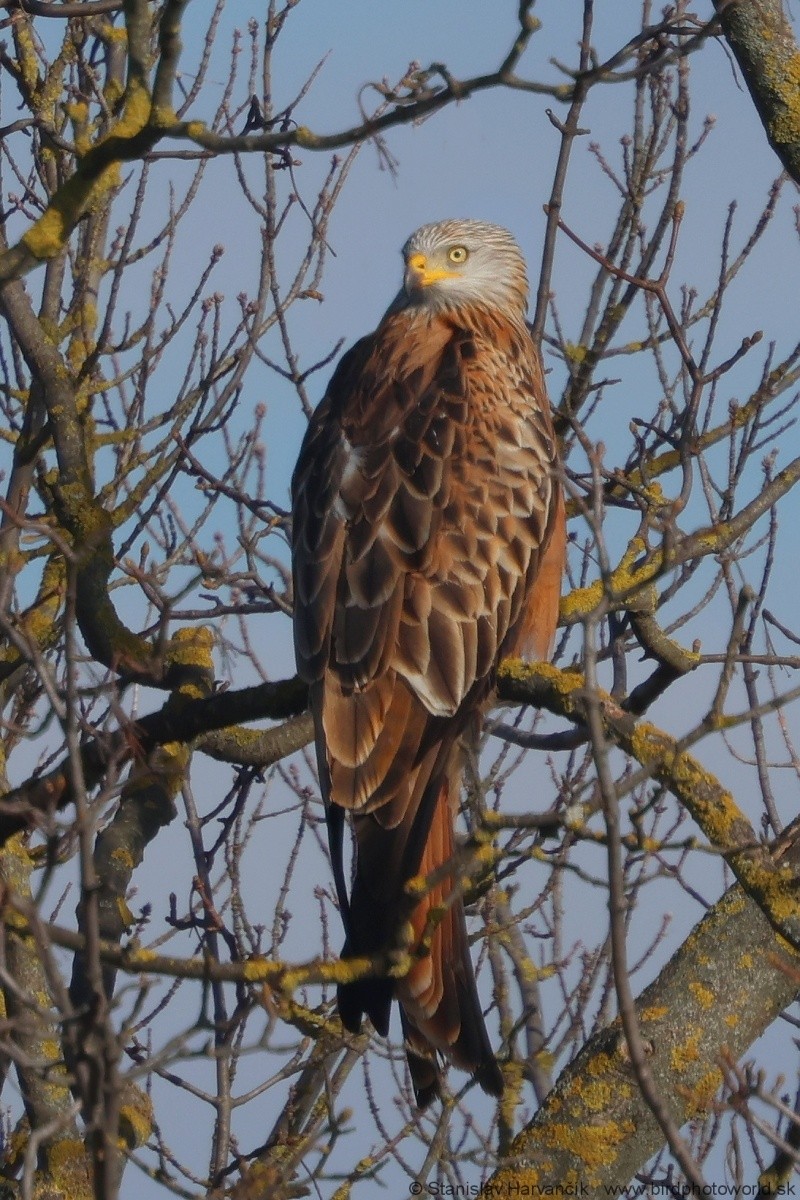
428 544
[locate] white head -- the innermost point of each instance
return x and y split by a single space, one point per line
453 263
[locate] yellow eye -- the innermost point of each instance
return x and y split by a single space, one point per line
458 254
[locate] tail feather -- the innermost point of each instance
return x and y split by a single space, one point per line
423 1068
440 1008
365 997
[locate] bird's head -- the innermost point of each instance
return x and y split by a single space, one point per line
452 264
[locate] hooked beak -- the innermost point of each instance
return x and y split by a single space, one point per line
419 275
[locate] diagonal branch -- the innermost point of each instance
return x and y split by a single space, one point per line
706 1002
766 873
761 37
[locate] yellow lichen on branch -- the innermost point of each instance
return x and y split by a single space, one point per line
772 881
136 960
97 174
761 36
593 1127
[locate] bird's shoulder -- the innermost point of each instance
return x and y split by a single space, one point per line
386 375
416 363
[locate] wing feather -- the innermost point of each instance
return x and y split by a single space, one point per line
424 504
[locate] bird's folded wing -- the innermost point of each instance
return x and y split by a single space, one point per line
424 498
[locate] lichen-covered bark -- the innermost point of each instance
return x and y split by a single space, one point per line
641 565
35 1033
594 1128
769 876
147 804
193 718
761 37
83 518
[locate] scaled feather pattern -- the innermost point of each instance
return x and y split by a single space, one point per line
428 543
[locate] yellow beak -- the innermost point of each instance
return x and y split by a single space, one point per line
420 275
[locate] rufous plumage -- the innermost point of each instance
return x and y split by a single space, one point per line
428 544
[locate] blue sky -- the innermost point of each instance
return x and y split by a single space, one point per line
491 157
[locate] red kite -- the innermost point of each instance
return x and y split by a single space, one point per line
428 544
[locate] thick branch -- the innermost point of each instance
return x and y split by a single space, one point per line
21 918
761 37
725 985
33 1029
147 804
193 718
79 511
